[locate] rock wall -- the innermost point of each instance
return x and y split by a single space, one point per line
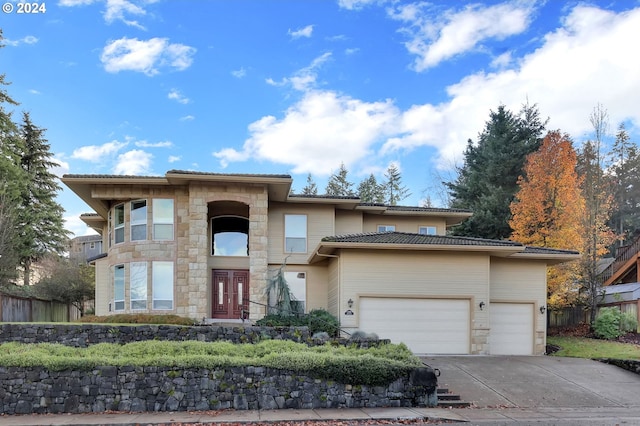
139 389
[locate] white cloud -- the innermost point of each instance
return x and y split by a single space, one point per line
34 92
239 73
135 162
314 130
357 4
302 32
61 167
305 78
175 95
24 40
97 153
174 158
73 223
437 36
71 3
145 144
581 64
116 10
131 54
187 118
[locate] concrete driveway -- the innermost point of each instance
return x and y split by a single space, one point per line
537 382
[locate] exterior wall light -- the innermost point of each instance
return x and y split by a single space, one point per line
542 309
481 305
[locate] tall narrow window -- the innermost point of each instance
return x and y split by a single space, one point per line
162 219
118 224
138 283
297 282
138 220
162 285
118 288
295 233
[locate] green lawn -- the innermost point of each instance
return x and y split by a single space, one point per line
580 347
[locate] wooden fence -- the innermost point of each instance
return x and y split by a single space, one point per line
568 316
19 309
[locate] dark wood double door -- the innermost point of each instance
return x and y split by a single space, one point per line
230 294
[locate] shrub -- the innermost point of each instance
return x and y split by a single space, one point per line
318 320
138 319
628 323
607 323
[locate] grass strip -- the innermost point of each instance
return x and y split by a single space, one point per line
580 347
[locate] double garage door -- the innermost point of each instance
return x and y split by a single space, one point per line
442 326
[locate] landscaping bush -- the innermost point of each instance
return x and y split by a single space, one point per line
373 366
607 324
628 323
137 319
318 320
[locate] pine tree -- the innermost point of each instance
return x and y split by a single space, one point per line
311 188
370 191
339 185
393 188
39 218
487 181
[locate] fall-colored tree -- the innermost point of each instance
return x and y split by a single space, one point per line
548 210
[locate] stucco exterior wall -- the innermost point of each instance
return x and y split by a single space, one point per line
402 224
348 222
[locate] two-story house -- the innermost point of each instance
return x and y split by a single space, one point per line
204 245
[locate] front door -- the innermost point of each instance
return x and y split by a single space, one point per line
230 291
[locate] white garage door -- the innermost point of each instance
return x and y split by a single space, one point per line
511 329
426 326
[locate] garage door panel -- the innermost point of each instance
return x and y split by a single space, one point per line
511 329
426 326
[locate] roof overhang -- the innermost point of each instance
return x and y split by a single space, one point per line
451 217
549 258
95 222
329 249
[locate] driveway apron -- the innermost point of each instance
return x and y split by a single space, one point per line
536 381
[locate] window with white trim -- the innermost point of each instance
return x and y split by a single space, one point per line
138 285
386 228
297 282
118 224
295 233
427 230
138 220
162 219
118 288
162 285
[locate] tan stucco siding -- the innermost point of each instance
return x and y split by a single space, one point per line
320 223
522 281
403 224
333 289
418 274
104 291
348 222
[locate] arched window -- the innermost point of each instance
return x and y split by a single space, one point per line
230 236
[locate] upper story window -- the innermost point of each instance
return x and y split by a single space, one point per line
427 230
230 236
386 228
295 233
162 219
118 224
138 220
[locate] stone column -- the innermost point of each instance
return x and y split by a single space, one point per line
258 246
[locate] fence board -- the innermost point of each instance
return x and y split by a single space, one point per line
19 309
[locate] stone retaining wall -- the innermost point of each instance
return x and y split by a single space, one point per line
139 389
83 335
627 364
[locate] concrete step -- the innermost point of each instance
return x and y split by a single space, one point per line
447 399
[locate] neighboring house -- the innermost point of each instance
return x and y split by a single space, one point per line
204 245
85 247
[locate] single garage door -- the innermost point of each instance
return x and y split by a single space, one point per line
426 326
511 329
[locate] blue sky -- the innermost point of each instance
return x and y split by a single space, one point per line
281 86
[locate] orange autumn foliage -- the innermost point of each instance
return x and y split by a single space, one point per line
548 210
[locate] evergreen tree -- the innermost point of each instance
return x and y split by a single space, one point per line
625 176
393 188
39 218
487 181
311 188
370 191
339 185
